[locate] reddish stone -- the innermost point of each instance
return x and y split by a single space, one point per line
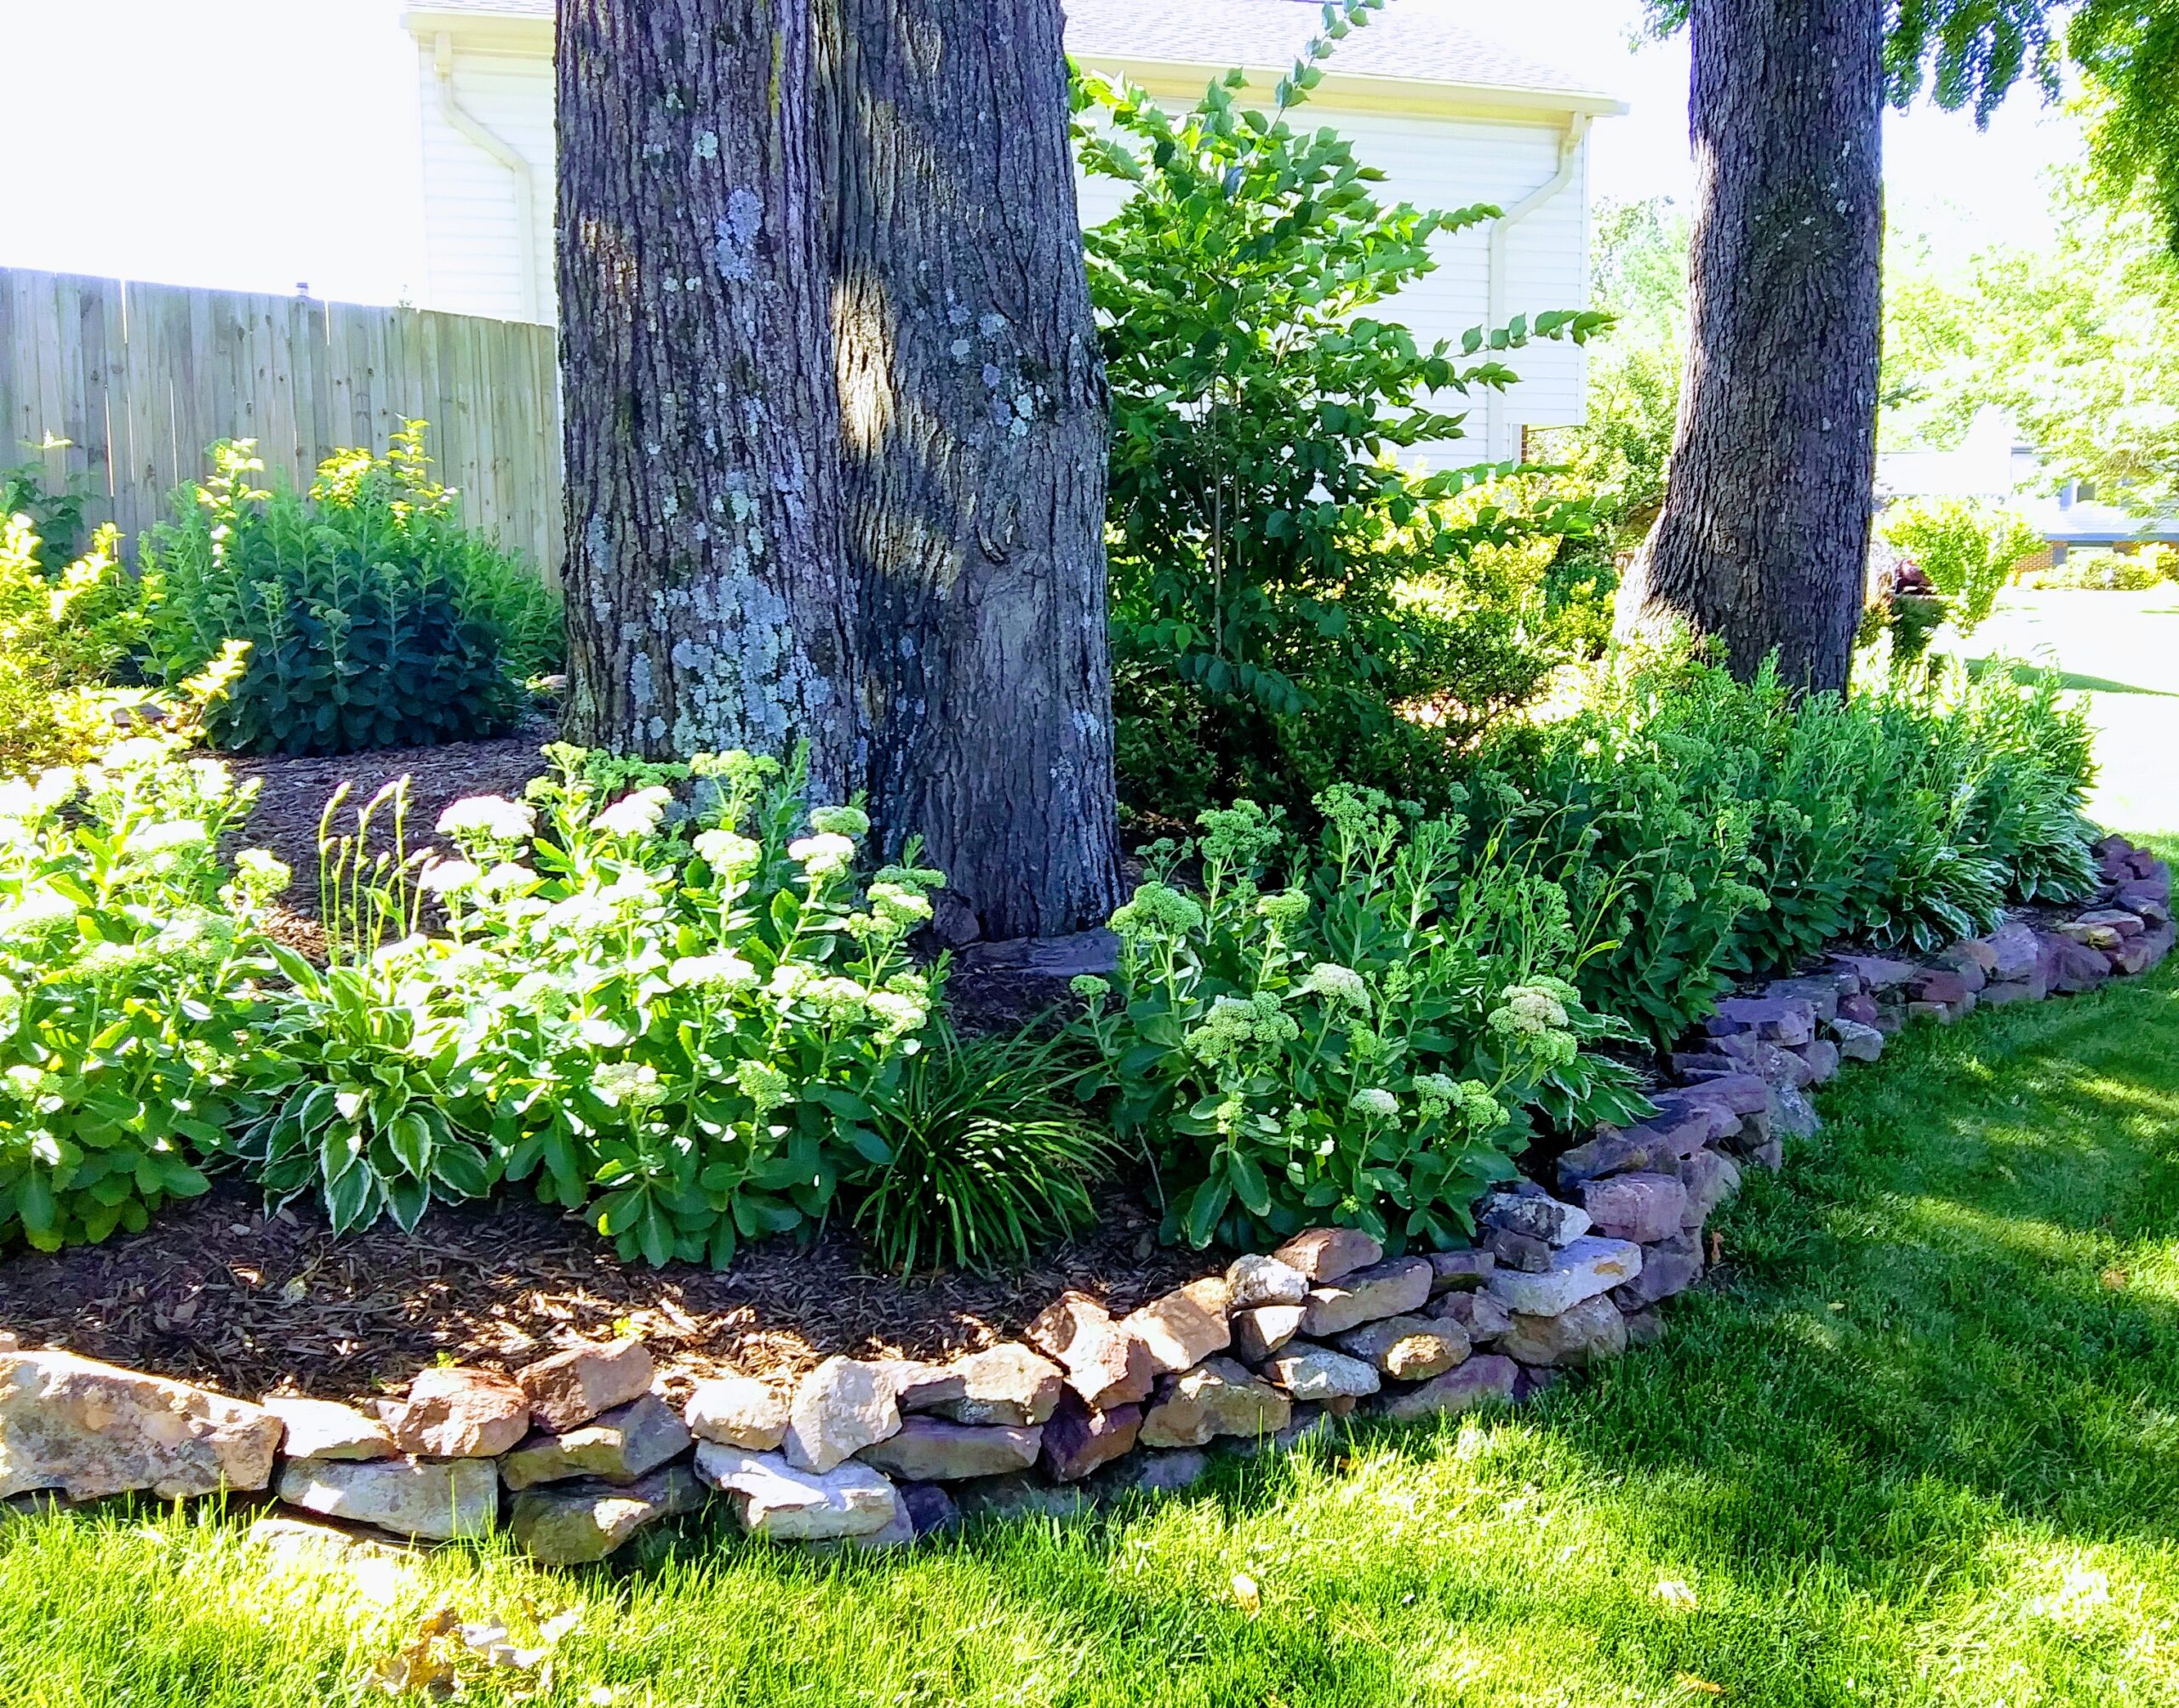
1077 1440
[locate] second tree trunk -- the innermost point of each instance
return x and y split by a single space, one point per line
1763 542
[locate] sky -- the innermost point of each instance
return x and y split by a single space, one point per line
257 145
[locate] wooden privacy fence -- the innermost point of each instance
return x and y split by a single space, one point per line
142 378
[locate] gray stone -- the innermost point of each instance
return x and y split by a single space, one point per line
2011 991
1584 1333
91 1430
1022 1496
1219 1397
919 1386
1590 1266
1078 1441
2118 919
625 1444
1407 1348
575 1524
1153 1473
1328 1254
1822 1057
1259 1333
1876 972
1791 1114
1479 1316
438 1500
840 1408
1252 1280
1820 991
1711 1177
1978 952
2012 953
1105 1363
324 1429
1669 1266
453 1412
1478 1382
929 1509
300 1542
1856 1041
570 1388
1644 1327
737 1411
926 1449
1774 1019
1636 1207
1450 1270
1511 1250
1536 1214
1317 1373
1184 1327
1006 1384
773 1499
2071 968
1388 1289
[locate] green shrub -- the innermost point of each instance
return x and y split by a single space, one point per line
130 1036
374 617
56 518
1285 597
1967 550
1707 829
62 636
991 1159
1362 1046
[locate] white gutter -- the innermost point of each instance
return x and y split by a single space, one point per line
1569 152
525 189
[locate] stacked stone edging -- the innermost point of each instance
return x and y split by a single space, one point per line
577 1454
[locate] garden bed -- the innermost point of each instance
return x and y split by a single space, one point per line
216 1292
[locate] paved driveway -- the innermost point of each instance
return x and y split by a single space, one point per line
2120 651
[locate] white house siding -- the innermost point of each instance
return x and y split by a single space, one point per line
1456 162
474 257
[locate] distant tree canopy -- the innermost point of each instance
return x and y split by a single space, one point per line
1970 53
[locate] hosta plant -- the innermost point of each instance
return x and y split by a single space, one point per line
131 1034
1360 1043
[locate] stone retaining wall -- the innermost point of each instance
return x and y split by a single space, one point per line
579 1452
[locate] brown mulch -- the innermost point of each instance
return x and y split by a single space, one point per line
293 793
217 1293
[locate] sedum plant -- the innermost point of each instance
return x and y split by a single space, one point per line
131 1029
374 617
674 1017
1360 1044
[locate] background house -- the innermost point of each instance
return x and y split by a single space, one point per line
1451 118
1993 463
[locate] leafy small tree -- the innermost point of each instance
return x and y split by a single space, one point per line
1267 549
1966 549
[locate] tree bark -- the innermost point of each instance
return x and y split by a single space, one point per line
1763 542
836 420
975 416
709 606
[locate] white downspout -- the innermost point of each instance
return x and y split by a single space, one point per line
1569 152
525 189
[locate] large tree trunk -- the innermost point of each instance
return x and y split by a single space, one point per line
1764 539
974 411
836 421
709 604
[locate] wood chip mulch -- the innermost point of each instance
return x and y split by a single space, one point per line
217 1293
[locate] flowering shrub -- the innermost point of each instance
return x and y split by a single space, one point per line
1363 1044
129 1030
675 1018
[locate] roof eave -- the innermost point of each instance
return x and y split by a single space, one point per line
516 32
1353 90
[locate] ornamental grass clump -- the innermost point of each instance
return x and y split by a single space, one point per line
1360 1031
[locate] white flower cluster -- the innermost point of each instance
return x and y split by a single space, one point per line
489 818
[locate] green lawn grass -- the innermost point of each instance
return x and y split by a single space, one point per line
1919 1442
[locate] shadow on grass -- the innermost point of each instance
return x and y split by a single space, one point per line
2032 675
